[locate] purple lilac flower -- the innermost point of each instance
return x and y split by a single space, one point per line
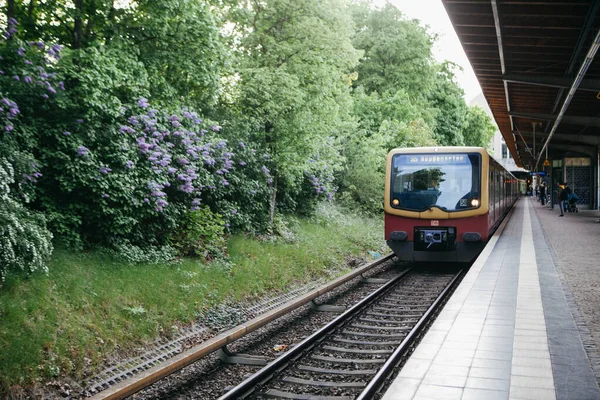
9 128
105 195
80 121
28 79
28 62
16 78
45 96
126 129
215 128
234 212
129 164
242 145
133 120
227 225
264 169
224 182
105 170
1 72
21 51
143 102
66 133
82 151
61 85
54 51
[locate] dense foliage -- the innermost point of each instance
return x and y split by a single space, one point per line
154 128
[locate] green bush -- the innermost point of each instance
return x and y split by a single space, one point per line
202 234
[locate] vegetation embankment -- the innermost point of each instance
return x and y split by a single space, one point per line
92 307
155 130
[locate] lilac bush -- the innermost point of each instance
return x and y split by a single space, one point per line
25 243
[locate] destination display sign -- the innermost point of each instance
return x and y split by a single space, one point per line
435 159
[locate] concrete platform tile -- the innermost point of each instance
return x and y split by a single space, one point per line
434 337
482 394
449 352
426 351
488 363
491 373
502 321
438 369
494 355
529 332
530 345
442 326
538 372
496 346
532 362
402 389
518 392
531 353
501 341
531 339
538 382
464 344
453 361
497 331
438 392
488 384
415 368
458 381
531 326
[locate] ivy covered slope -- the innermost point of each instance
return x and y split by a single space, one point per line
136 134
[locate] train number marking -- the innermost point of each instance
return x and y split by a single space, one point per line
435 222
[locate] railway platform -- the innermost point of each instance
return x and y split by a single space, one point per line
513 328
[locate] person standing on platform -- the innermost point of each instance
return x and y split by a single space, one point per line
542 193
563 196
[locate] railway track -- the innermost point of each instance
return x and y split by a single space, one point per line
125 382
351 356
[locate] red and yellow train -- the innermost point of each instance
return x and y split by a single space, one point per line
443 203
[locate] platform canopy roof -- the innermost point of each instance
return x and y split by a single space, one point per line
536 63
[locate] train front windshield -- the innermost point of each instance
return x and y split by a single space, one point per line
450 182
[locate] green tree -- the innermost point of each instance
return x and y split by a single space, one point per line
449 108
292 84
479 128
397 51
179 44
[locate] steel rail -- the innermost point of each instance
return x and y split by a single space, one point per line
146 378
375 384
247 386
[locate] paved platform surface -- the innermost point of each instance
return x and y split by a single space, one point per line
513 329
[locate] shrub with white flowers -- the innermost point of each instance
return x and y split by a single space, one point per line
25 243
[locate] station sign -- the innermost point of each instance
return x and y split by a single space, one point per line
539 173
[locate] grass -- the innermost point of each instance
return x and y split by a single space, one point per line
91 306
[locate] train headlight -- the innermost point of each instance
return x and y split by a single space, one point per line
475 202
395 202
